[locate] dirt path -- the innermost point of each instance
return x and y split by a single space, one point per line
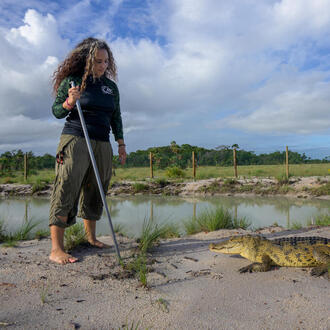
189 288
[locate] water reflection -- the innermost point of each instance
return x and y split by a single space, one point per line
131 211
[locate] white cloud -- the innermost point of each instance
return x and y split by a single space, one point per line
290 103
29 55
21 129
261 66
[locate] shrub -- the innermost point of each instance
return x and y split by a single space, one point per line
175 172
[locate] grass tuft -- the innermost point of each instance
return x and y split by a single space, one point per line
296 225
44 294
10 243
139 187
211 220
2 231
139 266
321 220
150 234
119 229
38 185
41 233
163 304
74 236
24 232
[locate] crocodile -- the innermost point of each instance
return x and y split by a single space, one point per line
287 252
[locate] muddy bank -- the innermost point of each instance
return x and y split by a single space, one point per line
189 287
299 187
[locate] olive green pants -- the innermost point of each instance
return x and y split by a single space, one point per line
75 179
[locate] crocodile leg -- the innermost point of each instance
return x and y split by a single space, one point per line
263 266
323 256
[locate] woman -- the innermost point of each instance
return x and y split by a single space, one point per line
92 68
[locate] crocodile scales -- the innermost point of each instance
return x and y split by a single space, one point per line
287 252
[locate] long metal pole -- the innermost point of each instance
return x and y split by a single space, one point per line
96 171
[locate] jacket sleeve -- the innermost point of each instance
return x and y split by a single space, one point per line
116 121
62 93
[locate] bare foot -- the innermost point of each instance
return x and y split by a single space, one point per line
60 257
98 244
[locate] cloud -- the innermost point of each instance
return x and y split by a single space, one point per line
186 68
251 61
290 104
30 53
21 129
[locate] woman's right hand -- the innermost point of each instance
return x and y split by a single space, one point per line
74 95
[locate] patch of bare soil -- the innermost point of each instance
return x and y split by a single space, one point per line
189 287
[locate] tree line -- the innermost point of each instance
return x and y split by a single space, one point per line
181 156
167 156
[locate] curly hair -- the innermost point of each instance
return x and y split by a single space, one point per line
80 62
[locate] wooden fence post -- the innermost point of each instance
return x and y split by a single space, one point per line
235 162
287 162
25 166
194 164
151 168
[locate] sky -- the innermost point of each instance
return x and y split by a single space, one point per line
204 72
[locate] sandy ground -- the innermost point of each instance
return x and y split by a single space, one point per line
189 288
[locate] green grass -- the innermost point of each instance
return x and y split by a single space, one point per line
10 243
139 267
323 190
44 294
24 232
38 186
2 231
282 179
321 220
202 172
171 230
207 172
211 220
74 236
119 229
41 233
163 304
161 181
296 225
150 234
139 187
45 176
175 172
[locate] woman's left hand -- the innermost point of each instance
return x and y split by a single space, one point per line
122 154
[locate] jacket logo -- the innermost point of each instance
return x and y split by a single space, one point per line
106 90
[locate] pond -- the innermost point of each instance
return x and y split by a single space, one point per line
130 212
